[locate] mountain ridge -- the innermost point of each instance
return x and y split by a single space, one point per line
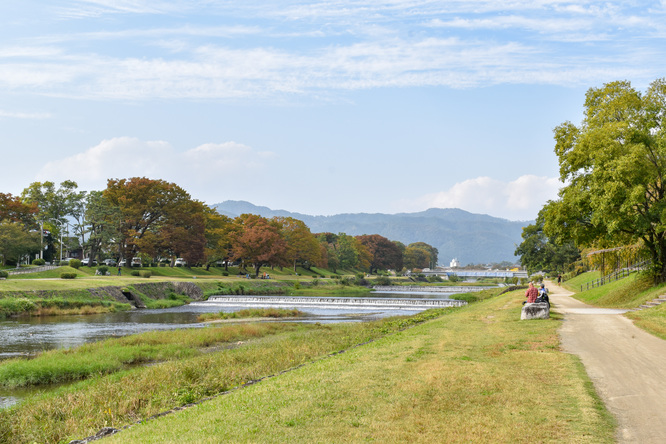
456 233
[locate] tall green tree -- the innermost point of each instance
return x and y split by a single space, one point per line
16 241
539 253
613 168
54 206
101 222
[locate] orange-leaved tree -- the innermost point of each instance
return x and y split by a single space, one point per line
258 241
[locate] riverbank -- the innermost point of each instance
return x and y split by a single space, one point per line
129 394
476 374
457 377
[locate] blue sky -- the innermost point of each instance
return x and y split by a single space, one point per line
318 107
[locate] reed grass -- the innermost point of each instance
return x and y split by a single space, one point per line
249 313
115 354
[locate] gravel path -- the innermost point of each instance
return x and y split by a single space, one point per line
626 365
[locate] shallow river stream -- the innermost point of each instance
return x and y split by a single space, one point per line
27 336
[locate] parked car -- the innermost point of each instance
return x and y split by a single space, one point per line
88 262
122 263
136 261
180 262
109 262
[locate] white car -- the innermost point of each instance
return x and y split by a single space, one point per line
180 262
109 262
122 263
87 262
136 261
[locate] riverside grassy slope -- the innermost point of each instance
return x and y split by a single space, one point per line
476 374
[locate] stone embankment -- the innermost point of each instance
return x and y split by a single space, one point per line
131 294
152 290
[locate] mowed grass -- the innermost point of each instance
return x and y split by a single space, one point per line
477 374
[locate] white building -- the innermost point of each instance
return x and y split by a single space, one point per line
454 263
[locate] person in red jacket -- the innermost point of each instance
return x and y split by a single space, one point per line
531 294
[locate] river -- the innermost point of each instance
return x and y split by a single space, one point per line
28 336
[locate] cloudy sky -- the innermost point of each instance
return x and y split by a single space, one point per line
318 107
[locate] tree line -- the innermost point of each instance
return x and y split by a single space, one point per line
613 169
159 221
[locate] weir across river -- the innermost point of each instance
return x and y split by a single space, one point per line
303 301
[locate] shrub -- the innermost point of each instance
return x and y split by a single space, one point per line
67 275
4 274
134 272
315 281
383 280
75 263
435 278
102 270
145 273
297 285
11 306
362 282
225 273
38 262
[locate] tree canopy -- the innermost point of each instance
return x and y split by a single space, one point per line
613 168
158 220
539 253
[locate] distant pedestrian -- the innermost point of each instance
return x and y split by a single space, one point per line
120 270
559 279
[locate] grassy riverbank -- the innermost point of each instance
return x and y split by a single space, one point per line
476 374
467 375
126 396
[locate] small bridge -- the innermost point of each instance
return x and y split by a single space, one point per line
303 301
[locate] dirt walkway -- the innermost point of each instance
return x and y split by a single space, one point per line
626 365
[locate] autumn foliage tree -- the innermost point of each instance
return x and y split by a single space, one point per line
302 245
157 218
258 241
384 254
14 209
218 232
420 255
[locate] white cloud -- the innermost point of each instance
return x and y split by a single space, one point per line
22 115
206 167
520 199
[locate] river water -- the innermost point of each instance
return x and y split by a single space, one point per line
28 336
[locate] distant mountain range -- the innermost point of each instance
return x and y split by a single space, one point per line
469 237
